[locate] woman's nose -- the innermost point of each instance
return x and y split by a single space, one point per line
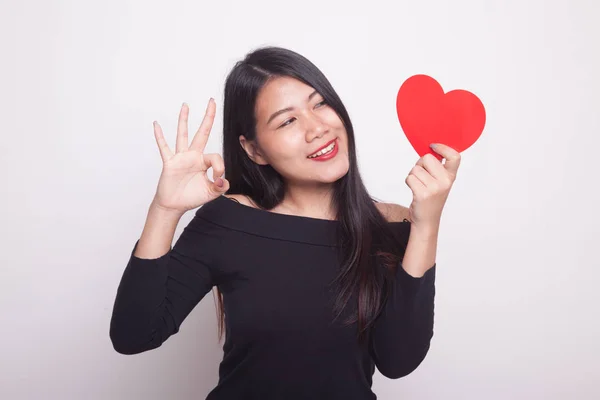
315 128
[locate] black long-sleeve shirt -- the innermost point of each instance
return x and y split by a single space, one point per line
274 271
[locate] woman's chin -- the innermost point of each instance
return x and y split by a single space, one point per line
332 174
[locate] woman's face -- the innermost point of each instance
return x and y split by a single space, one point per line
293 122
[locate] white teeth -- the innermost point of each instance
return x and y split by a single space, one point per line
324 151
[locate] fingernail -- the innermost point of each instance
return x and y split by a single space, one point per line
219 182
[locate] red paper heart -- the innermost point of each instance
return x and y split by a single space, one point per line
427 115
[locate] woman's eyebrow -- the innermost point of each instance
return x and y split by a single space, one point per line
283 110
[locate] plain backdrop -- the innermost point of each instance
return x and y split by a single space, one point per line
517 285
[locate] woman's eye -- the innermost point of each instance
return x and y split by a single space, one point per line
286 123
289 121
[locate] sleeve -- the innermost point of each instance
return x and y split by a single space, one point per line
154 296
402 333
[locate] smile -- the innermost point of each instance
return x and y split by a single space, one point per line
324 151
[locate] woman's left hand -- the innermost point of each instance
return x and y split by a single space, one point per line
430 182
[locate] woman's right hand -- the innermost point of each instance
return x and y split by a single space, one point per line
184 183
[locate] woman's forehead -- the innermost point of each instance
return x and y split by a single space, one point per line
285 88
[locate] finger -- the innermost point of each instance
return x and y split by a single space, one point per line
433 166
215 161
182 129
201 136
218 184
221 185
452 157
423 176
163 147
415 185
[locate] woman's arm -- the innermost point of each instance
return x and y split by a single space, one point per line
160 286
157 235
401 336
420 251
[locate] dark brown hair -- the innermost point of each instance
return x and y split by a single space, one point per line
369 249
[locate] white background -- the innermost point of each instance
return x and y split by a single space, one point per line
81 82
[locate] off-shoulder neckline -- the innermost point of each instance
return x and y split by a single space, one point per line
234 215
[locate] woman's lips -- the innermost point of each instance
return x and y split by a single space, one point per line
328 156
321 148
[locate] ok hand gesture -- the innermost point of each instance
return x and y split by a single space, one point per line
184 183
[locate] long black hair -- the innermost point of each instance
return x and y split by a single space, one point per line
360 278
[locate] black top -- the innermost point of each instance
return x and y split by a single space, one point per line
274 271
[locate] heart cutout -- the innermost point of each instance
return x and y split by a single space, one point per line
428 115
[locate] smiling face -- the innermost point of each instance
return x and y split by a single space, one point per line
292 123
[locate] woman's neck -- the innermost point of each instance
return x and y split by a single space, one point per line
308 202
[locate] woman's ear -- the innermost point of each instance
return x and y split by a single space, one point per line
252 150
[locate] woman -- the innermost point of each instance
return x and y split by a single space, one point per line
317 283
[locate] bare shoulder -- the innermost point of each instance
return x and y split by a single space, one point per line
240 198
393 212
